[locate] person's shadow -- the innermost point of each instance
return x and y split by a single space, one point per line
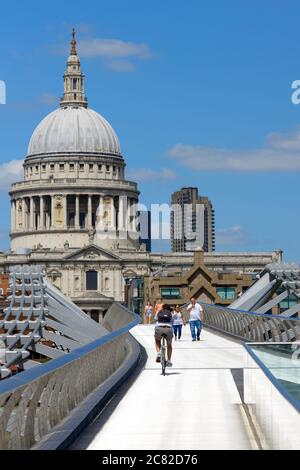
172 373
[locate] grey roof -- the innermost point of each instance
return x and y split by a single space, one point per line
276 282
73 130
40 319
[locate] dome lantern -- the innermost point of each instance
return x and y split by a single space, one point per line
73 80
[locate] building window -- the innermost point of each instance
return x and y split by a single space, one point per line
43 167
36 168
91 167
91 280
71 166
114 169
226 293
71 219
107 167
99 167
81 166
61 167
52 167
170 292
82 219
95 315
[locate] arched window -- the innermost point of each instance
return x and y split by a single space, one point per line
91 280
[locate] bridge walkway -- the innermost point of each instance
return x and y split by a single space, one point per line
197 405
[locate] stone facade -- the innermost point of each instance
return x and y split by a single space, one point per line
204 284
67 269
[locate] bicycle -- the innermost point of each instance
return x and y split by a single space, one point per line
163 353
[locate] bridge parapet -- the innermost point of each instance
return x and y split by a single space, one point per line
34 402
251 326
81 356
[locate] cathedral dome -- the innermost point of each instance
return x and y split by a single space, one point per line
73 130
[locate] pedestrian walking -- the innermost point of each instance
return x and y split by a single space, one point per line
177 322
158 306
148 311
196 317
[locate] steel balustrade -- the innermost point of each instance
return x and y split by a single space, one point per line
33 402
250 326
80 354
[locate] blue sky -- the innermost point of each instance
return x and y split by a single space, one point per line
199 93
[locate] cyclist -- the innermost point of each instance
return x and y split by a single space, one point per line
164 326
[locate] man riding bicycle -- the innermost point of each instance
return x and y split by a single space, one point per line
163 326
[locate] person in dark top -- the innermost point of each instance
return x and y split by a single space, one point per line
164 326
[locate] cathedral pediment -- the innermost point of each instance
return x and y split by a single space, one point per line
92 252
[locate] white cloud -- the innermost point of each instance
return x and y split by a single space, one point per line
10 172
233 236
48 99
112 48
119 65
113 52
44 99
147 174
281 152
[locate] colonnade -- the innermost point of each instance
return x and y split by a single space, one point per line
74 211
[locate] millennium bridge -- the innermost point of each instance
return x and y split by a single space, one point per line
70 383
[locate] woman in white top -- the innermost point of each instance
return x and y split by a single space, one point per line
148 311
177 322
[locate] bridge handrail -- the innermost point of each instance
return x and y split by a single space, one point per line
258 327
248 312
33 402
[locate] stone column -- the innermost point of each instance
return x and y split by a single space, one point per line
52 211
47 221
99 223
100 316
41 213
24 213
128 214
16 214
112 214
31 213
77 211
89 219
131 215
13 215
65 212
122 213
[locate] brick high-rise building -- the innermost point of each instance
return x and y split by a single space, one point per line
192 221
